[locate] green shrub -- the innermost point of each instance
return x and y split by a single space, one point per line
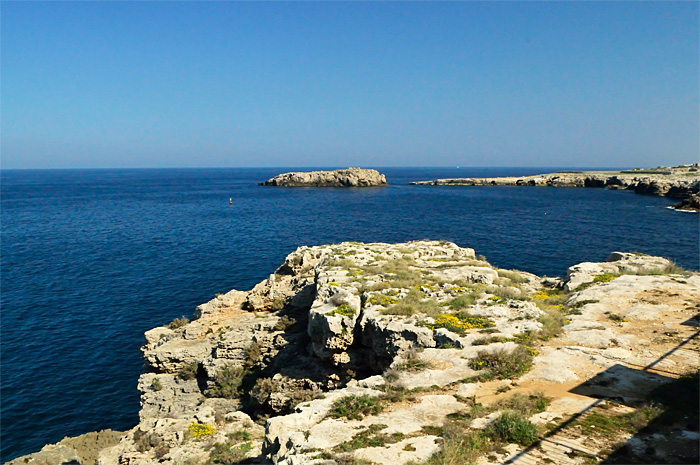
146 441
513 275
412 363
342 310
414 302
356 407
263 388
227 382
524 404
552 321
156 385
490 340
501 364
188 371
253 354
179 322
605 277
512 427
463 301
507 292
383 300
229 454
278 304
458 323
615 317
284 323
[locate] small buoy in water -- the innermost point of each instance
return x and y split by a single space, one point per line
230 201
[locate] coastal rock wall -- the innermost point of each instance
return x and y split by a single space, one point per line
352 345
351 177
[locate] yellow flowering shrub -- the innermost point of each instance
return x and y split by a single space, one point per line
384 300
199 430
343 310
458 324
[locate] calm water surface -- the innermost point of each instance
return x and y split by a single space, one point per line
93 258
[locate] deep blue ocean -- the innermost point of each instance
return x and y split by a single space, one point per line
90 259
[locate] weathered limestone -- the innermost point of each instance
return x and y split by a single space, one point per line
79 449
357 319
351 177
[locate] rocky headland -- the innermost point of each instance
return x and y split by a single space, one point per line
351 177
677 182
423 353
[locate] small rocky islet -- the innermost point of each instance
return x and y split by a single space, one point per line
417 352
679 182
350 177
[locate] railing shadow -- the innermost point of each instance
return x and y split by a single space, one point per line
678 396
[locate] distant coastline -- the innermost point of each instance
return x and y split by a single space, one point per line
679 182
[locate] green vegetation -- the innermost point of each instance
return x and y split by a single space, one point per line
371 437
508 293
240 435
490 340
412 363
179 322
458 323
512 427
383 300
284 323
253 354
356 407
525 404
501 364
615 317
597 423
227 382
156 385
463 301
342 310
513 276
146 441
462 444
414 302
188 371
199 430
263 388
553 320
229 454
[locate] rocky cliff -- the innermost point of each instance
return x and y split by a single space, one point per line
377 353
351 177
678 182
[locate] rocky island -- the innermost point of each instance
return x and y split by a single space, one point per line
421 353
351 177
677 182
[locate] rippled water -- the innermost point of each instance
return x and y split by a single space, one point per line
93 258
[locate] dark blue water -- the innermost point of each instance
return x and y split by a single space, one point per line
93 258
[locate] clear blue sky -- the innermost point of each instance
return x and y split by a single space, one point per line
166 84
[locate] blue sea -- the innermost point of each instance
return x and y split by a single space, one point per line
93 258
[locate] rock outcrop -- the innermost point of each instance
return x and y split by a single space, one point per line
351 177
679 182
690 204
382 353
